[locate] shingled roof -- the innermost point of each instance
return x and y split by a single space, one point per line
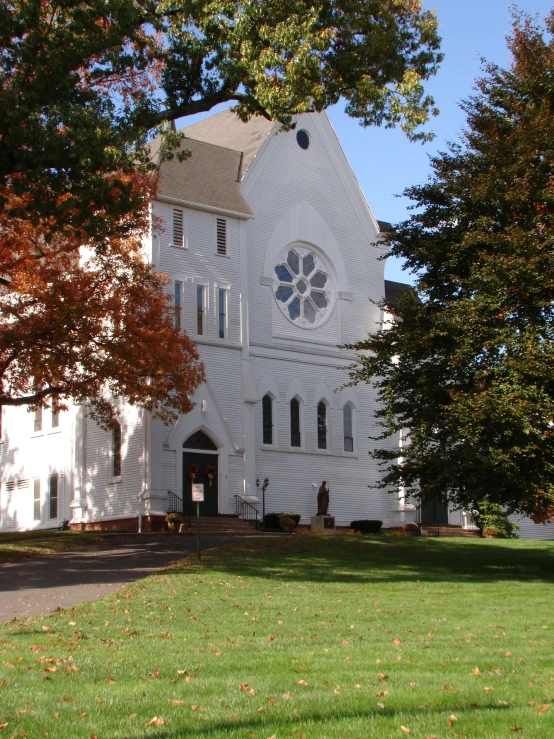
226 129
209 177
394 290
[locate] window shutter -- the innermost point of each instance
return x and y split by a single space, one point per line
10 485
221 236
178 230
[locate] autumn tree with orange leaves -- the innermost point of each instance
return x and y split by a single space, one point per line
83 88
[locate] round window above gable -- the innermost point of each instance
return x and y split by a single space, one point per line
303 139
303 287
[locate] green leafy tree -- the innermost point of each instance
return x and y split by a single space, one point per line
84 86
468 366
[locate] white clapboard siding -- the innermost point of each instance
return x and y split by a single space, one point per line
528 529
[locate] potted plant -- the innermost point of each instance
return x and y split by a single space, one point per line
174 520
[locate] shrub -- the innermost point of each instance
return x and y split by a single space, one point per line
272 520
295 517
491 533
367 526
493 516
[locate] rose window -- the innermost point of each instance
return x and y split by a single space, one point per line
302 287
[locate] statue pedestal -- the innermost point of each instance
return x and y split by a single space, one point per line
323 524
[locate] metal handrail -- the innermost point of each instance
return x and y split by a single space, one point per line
244 510
174 503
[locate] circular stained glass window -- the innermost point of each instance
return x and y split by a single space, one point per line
302 287
303 139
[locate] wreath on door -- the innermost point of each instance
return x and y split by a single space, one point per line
192 471
209 472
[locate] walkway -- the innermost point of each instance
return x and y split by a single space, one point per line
42 584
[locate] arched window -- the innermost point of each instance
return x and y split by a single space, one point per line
267 419
116 449
322 425
295 431
348 428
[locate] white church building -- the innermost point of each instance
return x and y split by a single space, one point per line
274 260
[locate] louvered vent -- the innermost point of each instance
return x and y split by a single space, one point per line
221 236
178 230
23 483
10 486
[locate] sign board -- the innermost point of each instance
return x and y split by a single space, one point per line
198 493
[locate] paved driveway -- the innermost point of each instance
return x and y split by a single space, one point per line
42 584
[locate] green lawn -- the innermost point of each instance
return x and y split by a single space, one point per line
21 545
302 636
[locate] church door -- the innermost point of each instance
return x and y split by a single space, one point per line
198 451
434 513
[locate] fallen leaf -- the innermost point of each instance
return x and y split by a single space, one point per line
476 671
261 709
516 728
543 708
3 726
498 671
303 682
287 696
381 706
51 669
397 641
110 680
357 687
406 730
195 708
487 690
382 676
382 693
178 703
274 701
181 672
244 687
156 721
503 703
451 720
82 714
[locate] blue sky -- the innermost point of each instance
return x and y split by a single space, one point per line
384 161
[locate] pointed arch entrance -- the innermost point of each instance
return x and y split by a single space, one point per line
201 459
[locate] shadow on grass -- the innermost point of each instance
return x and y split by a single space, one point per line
295 725
369 559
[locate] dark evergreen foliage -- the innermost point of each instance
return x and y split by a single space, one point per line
467 365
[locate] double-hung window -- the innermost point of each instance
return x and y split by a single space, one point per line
178 303
295 425
53 495
38 420
322 425
348 428
267 419
222 313
200 310
116 449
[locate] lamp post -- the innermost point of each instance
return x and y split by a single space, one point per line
264 488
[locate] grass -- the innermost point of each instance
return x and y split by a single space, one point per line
21 545
306 637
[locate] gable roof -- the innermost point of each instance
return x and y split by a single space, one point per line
209 177
394 290
226 129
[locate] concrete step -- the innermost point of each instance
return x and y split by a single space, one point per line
219 525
